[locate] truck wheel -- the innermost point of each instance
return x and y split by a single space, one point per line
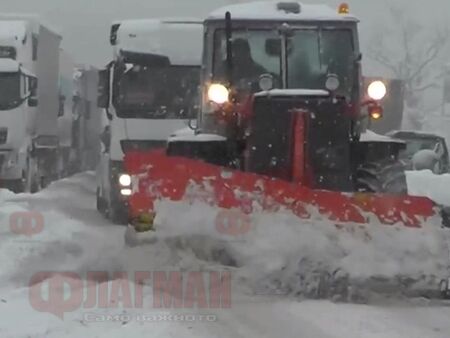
16 186
101 204
118 212
31 181
384 177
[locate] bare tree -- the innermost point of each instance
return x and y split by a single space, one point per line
412 54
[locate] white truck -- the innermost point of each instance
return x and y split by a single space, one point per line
148 90
29 53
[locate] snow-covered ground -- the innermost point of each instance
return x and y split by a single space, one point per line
263 263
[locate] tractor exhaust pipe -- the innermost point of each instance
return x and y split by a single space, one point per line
229 60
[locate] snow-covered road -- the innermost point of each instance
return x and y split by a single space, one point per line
68 235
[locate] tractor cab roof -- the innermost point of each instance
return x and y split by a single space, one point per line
280 11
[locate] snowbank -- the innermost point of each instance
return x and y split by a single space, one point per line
278 250
425 183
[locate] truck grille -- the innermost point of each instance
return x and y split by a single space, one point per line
3 135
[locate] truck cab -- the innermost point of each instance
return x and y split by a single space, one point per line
18 101
148 90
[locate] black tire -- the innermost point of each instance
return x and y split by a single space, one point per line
34 186
100 203
16 186
444 289
118 212
382 177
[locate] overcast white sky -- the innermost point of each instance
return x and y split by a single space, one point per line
85 23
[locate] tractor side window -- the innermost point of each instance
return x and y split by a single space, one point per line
338 55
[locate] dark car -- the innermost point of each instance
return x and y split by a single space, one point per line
417 141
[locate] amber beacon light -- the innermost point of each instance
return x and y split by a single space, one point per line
344 8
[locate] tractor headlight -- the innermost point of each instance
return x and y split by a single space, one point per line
377 90
218 93
266 82
125 180
332 83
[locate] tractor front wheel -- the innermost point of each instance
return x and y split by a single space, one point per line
386 176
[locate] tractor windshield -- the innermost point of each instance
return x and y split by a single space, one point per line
250 57
157 92
311 55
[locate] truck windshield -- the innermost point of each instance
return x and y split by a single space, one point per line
312 54
9 90
157 92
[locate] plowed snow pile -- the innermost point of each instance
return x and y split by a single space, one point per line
280 252
425 183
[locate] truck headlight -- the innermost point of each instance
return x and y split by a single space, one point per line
377 90
125 180
125 192
218 93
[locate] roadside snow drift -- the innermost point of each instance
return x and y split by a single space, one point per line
280 251
426 183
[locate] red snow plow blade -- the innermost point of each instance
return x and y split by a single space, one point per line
161 177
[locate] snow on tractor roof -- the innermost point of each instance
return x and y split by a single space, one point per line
268 10
180 39
370 136
9 66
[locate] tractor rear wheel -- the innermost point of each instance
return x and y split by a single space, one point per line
386 176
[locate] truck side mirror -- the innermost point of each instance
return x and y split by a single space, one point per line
32 99
105 138
103 88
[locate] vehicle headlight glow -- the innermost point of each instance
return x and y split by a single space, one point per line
218 93
377 90
125 192
125 180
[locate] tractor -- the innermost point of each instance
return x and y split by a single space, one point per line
282 124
